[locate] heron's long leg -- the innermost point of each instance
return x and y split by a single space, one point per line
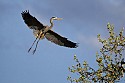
36 46
33 43
37 43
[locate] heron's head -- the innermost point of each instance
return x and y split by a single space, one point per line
55 18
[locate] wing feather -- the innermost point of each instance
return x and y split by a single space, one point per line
57 39
31 21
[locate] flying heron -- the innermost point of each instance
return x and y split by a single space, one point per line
40 31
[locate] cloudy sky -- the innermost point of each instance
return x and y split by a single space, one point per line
82 21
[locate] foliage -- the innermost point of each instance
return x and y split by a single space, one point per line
110 61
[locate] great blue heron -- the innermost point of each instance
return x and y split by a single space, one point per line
40 31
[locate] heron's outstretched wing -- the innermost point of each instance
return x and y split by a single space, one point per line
57 39
31 21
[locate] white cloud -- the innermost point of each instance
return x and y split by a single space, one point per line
116 2
90 41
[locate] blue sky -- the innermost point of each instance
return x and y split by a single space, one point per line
82 21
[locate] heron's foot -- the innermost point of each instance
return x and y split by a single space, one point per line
34 51
29 50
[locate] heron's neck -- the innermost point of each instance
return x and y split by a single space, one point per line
49 27
51 22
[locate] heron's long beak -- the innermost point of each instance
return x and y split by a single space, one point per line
59 18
